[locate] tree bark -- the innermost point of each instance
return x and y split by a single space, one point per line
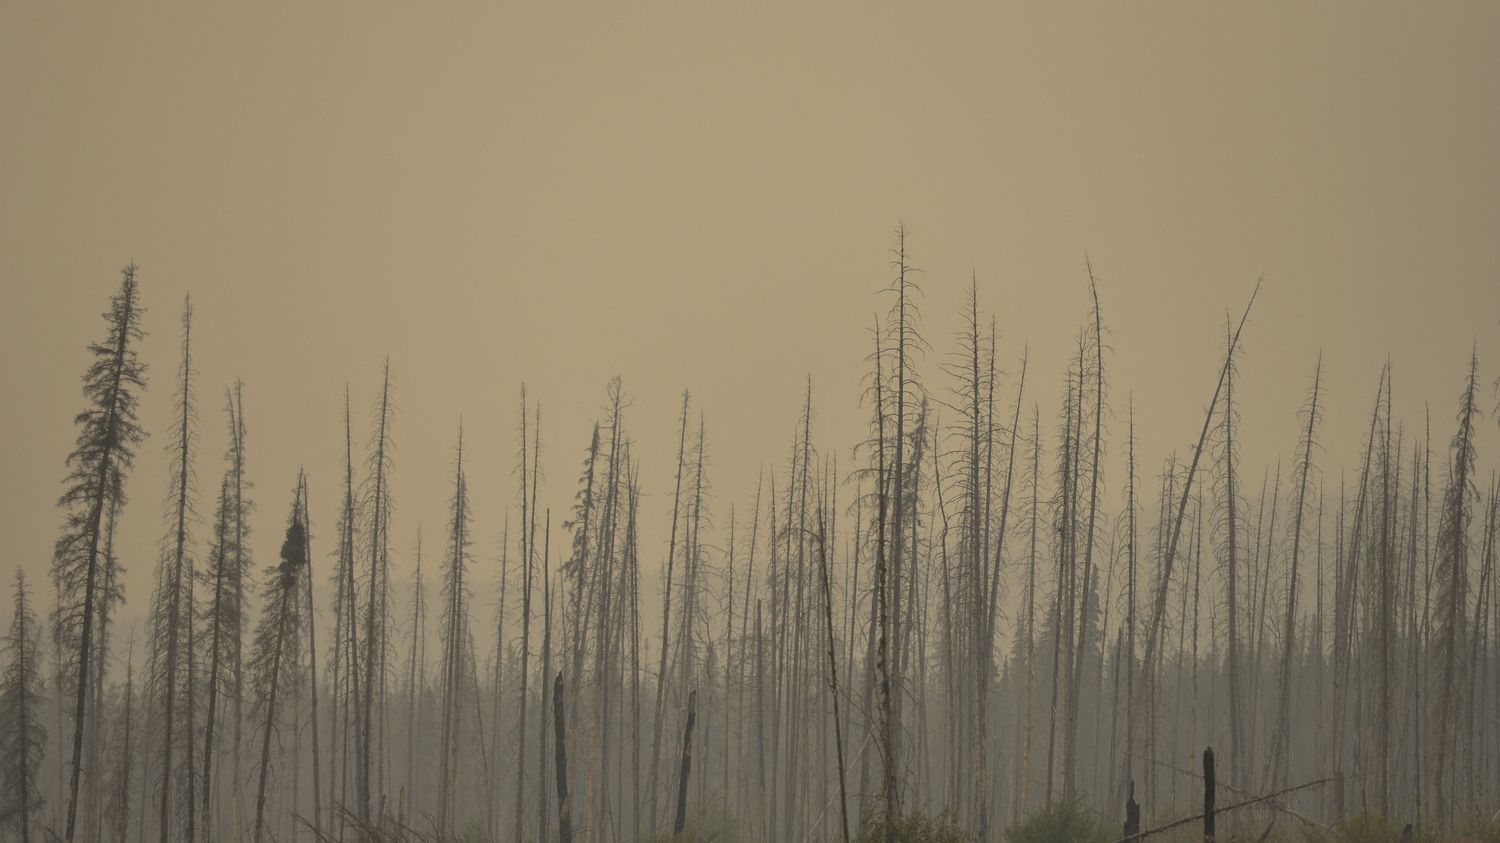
564 815
687 763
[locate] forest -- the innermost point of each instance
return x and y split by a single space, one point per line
990 619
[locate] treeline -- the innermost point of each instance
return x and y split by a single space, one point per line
970 613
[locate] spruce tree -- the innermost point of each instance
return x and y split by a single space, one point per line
109 431
23 737
274 663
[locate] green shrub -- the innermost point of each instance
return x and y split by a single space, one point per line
1064 822
1365 828
915 828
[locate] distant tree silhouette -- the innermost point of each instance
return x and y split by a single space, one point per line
914 640
344 658
416 678
526 492
455 637
666 620
1451 621
1281 746
23 736
377 508
225 577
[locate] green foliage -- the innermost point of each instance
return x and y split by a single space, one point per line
915 828
1064 822
1366 828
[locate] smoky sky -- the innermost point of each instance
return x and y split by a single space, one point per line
703 197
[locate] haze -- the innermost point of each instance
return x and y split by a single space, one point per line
703 198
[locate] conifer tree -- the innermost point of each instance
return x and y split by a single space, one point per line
109 431
23 737
274 662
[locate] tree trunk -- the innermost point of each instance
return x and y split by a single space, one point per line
687 763
564 815
1208 795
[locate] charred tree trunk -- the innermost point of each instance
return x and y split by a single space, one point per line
1208 795
560 749
687 762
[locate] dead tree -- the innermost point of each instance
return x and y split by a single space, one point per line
455 636
416 677
1208 795
1027 640
880 622
171 613
344 664
528 518
1132 816
560 748
687 763
992 614
378 505
833 672
1081 649
543 814
217 568
1159 606
225 577
907 341
1452 582
312 660
661 673
1130 600
240 576
1237 756
1281 757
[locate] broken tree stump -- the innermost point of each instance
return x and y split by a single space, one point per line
1208 795
1132 816
687 763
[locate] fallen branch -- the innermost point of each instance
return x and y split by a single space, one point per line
1242 792
1196 817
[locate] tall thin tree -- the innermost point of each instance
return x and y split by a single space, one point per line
109 431
455 636
378 508
1452 582
171 615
